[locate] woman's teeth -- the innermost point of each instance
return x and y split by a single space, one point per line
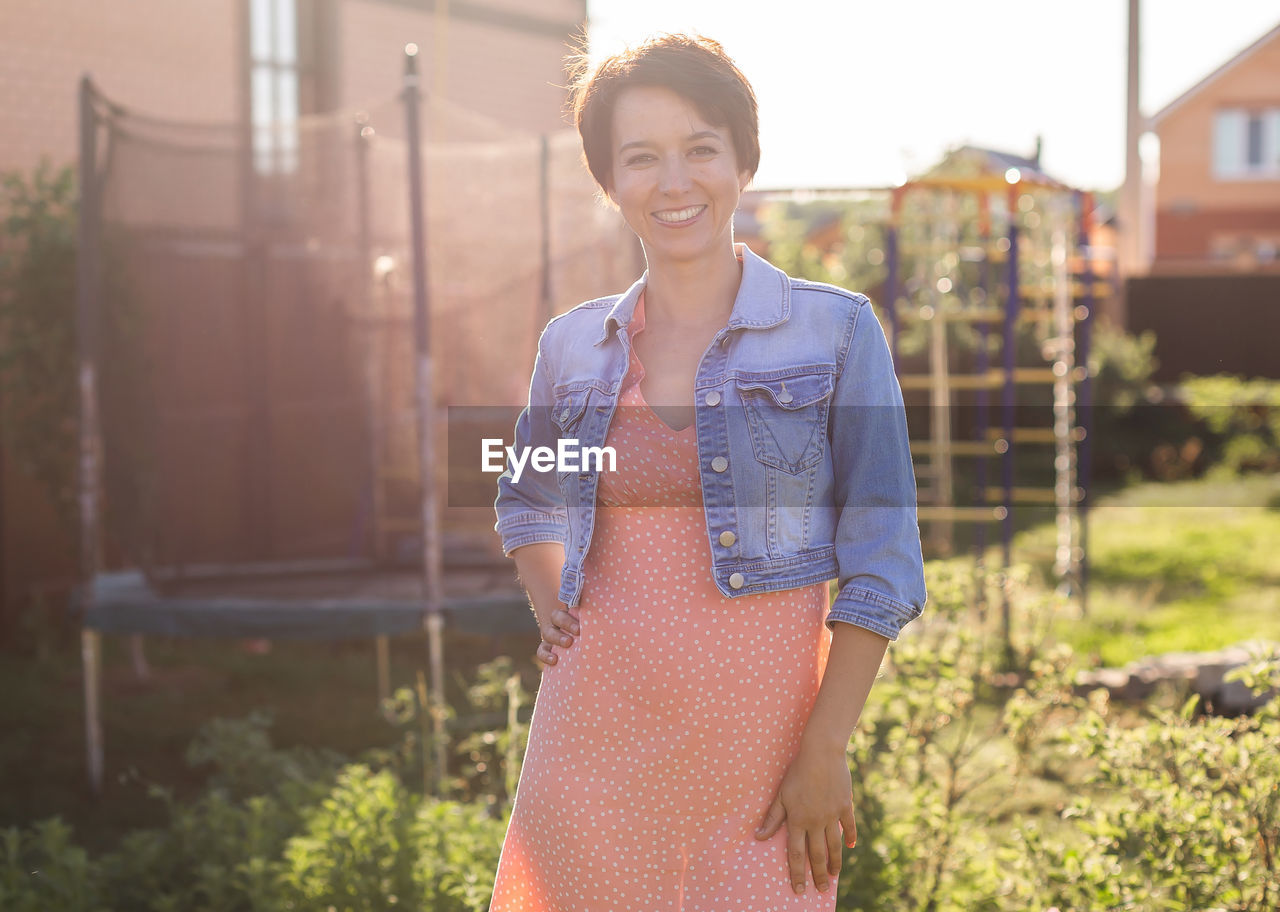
679 215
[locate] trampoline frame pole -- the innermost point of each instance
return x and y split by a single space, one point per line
432 563
90 443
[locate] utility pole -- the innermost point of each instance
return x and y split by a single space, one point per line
1130 245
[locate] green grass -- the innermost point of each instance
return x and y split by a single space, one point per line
1186 566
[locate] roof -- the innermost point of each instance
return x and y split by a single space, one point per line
976 161
1214 76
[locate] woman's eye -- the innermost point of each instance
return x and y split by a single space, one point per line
639 159
705 150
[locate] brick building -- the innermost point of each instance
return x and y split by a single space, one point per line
1218 196
245 61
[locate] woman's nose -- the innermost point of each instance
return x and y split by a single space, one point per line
675 176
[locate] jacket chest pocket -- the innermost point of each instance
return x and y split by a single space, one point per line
568 411
787 418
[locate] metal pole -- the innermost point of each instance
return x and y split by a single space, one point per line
1131 191
1009 346
87 322
370 327
544 226
982 418
432 562
891 279
1084 403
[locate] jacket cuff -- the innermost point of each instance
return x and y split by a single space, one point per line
873 610
530 527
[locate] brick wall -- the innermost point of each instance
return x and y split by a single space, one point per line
1192 206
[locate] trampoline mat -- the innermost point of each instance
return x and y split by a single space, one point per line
317 604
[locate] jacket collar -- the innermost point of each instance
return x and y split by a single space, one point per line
763 300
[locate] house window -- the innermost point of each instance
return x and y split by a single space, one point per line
1246 143
274 85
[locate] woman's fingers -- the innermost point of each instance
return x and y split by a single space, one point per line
796 855
834 855
558 631
818 859
566 621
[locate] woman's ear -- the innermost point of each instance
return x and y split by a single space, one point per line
744 178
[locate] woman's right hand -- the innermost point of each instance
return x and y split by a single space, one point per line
539 566
558 629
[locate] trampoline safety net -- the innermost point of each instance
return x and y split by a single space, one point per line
264 274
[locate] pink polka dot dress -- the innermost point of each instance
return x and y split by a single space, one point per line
659 738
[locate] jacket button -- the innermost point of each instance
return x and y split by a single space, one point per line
564 416
784 397
713 398
727 538
719 464
737 581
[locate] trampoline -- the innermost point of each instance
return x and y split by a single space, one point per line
263 454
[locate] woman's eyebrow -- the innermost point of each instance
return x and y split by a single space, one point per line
692 137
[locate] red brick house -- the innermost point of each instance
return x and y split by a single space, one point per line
1218 197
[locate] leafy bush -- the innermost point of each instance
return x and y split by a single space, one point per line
1177 811
276 829
1245 413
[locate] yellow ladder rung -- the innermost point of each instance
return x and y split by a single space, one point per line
1022 495
960 514
957 448
1024 435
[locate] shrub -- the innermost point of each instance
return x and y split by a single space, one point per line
1245 413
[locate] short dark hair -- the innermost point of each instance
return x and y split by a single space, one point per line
693 66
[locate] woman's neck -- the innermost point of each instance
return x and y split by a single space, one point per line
693 294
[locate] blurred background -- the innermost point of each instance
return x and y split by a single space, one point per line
211 204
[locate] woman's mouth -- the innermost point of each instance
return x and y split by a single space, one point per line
678 216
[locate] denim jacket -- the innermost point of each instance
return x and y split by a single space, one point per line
802 446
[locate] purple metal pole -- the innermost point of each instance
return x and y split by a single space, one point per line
891 280
1084 401
1009 348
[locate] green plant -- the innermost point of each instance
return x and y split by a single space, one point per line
1244 412
1178 810
41 869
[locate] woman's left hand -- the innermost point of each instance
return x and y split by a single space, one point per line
816 801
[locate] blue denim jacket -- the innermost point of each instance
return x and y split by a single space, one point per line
802 444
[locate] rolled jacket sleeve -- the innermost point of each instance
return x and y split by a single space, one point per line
532 509
881 568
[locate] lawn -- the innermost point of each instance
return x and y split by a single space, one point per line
1185 566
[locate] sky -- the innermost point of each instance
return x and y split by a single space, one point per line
857 93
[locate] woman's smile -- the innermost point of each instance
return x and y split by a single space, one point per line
678 217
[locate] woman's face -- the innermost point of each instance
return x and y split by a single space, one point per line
675 176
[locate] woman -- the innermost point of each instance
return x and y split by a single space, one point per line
687 749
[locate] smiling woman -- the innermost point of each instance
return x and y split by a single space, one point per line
687 748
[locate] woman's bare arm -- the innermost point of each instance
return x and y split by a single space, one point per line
539 566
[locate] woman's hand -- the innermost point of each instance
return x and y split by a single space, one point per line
558 629
816 801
